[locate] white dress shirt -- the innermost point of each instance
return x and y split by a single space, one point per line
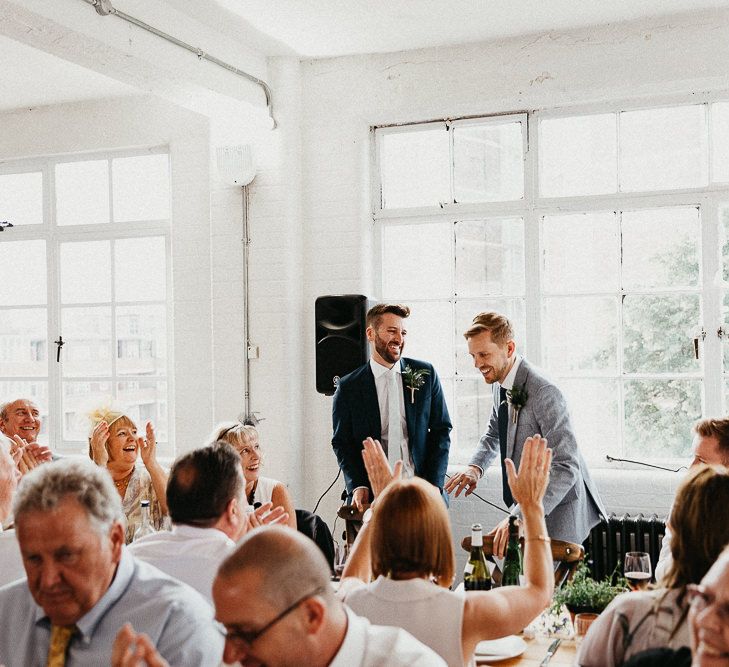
11 562
187 553
367 645
382 377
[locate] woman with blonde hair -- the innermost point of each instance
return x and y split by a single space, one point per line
641 620
406 547
259 489
115 445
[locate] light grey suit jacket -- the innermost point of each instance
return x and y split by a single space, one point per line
571 504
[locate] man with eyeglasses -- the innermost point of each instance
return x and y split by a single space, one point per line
275 600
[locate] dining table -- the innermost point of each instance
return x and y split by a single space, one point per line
536 651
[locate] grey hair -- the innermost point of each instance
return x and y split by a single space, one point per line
4 409
43 490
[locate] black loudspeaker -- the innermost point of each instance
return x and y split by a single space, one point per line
341 342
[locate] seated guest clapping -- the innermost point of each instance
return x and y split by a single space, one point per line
20 420
115 445
407 546
83 585
205 495
259 489
11 565
275 600
637 621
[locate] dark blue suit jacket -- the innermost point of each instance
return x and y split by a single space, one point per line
356 416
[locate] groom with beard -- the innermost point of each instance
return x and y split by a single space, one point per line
393 399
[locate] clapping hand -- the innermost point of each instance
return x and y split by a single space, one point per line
148 447
99 443
378 467
132 649
264 516
24 455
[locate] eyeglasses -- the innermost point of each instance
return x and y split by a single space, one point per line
248 637
700 599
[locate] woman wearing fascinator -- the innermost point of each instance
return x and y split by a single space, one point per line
115 445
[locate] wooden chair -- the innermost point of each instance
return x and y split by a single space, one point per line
566 554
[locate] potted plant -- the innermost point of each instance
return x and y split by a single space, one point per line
583 594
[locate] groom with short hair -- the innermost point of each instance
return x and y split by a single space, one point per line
394 399
526 403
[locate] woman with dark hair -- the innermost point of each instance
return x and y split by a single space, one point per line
634 622
406 546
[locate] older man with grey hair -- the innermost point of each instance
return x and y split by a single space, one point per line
82 585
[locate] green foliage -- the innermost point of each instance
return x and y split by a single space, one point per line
585 593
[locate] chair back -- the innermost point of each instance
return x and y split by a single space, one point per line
566 555
314 527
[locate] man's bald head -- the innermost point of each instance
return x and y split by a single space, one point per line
287 564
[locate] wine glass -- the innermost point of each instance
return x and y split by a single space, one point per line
637 569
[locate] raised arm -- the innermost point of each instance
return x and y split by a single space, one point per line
504 611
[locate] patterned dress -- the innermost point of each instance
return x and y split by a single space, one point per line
140 488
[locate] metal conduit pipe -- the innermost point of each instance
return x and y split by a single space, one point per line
105 8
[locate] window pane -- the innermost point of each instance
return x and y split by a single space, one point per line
140 268
578 156
580 334
658 333
21 198
18 261
82 193
719 141
488 162
141 187
415 168
36 391
416 261
659 415
661 248
85 272
430 335
490 257
724 241
580 253
23 343
79 399
662 149
145 400
141 340
514 309
725 338
593 402
87 336
474 401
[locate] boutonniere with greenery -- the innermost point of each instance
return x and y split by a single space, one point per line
517 398
414 379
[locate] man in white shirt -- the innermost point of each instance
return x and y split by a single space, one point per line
209 512
20 420
394 399
274 598
710 447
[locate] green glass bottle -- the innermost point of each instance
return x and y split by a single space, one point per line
476 575
513 561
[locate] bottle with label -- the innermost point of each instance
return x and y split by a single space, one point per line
513 561
145 528
476 575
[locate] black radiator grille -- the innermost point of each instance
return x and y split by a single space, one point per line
608 542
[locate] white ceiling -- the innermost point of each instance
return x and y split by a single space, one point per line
324 28
31 78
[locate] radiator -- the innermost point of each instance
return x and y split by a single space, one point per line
608 542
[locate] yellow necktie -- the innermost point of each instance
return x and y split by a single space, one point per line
60 639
